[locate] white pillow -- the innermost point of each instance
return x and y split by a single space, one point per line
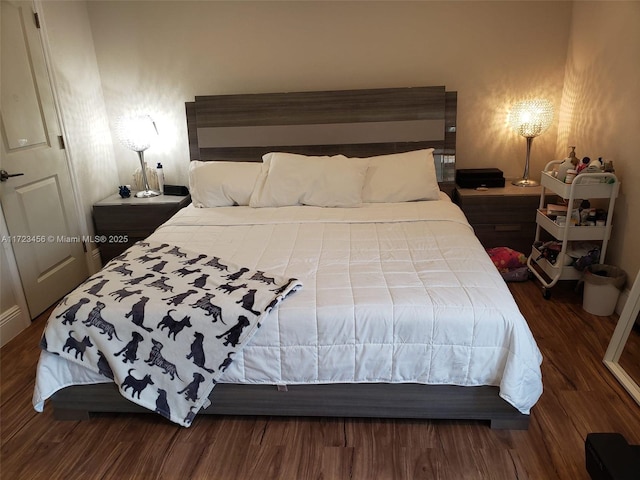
291 179
401 177
221 184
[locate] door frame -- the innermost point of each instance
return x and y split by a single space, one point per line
16 318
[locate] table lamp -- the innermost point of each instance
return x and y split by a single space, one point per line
137 133
530 118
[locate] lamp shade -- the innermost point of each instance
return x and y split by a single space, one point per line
137 132
530 118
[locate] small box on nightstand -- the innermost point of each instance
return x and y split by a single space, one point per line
479 177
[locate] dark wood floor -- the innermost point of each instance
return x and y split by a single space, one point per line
580 396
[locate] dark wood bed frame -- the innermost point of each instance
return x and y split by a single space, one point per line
354 123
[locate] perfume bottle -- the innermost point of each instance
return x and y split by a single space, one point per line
160 175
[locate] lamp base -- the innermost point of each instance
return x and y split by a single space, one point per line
525 182
147 193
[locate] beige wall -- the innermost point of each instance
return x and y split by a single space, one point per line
600 112
157 55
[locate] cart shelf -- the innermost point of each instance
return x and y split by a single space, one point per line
574 232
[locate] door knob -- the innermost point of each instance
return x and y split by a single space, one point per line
4 176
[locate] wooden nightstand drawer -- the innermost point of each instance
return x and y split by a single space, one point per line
124 221
136 219
501 217
501 209
518 236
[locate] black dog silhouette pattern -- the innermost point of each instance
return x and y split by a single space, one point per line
248 300
123 310
137 313
261 277
95 320
174 327
232 336
238 274
177 252
190 417
124 293
195 260
197 352
229 289
137 385
137 280
184 271
210 309
80 346
95 289
130 350
162 405
191 390
161 284
215 263
200 282
176 300
122 268
158 248
146 258
70 313
103 366
156 358
226 362
159 266
123 256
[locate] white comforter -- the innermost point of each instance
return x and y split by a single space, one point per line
393 293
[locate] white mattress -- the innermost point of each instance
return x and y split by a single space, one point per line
392 293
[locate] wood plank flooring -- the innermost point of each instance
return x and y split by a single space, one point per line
580 397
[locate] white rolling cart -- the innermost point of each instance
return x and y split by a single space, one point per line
586 186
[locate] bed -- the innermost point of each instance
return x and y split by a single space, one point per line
400 314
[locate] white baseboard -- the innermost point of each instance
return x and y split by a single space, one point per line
96 260
92 256
12 322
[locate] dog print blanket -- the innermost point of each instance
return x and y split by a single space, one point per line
164 323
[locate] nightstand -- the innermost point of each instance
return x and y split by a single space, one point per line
501 217
124 221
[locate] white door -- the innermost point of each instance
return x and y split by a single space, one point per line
38 205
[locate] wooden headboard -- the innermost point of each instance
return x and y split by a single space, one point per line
355 123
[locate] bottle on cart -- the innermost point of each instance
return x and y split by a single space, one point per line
585 206
573 157
567 164
563 168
